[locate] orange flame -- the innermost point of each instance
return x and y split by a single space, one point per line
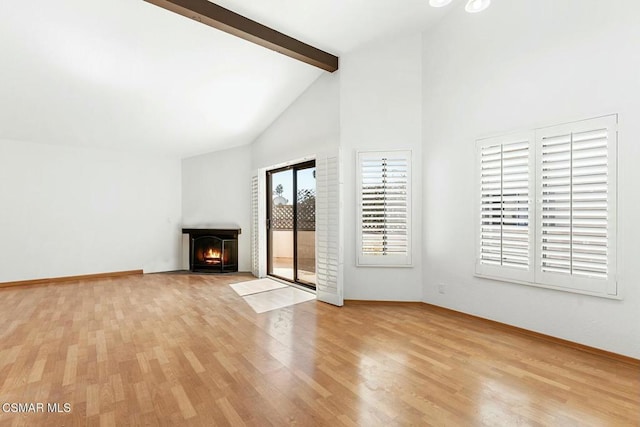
212 256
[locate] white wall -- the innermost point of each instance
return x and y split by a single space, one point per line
380 105
310 124
224 177
216 191
516 66
309 128
70 211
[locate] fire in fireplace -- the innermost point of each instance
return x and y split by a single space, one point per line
212 256
213 250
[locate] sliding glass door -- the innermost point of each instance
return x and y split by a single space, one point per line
291 221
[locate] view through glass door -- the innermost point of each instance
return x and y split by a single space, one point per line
291 223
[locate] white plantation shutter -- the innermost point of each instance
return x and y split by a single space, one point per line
328 229
505 235
576 206
255 245
572 171
384 208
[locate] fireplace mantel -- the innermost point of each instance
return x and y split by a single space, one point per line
215 230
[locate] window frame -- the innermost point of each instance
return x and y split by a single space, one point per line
387 260
604 288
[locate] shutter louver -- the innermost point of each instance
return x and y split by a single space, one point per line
574 203
491 205
384 207
505 204
255 243
576 216
328 252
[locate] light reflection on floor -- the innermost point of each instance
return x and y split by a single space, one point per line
256 286
264 295
501 402
380 372
493 408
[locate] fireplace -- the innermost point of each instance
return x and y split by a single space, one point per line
213 250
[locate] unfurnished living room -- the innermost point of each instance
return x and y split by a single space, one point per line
337 212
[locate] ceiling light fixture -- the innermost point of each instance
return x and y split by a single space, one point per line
473 6
439 3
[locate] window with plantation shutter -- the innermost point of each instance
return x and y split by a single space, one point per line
384 208
566 240
505 235
577 205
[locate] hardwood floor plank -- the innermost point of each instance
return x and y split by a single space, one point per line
229 412
37 370
175 349
186 408
194 362
93 400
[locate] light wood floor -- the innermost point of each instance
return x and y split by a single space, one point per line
187 350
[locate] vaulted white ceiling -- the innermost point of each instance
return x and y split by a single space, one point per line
125 74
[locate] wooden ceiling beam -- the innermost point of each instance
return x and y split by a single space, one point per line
230 22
